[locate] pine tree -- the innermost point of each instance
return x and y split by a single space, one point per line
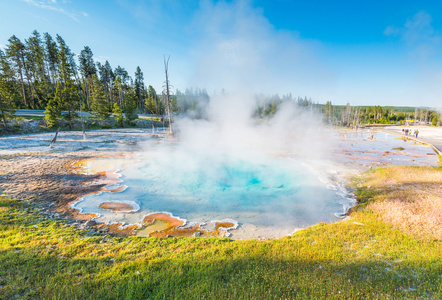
36 67
15 51
87 65
149 104
130 105
119 91
51 58
65 59
139 88
122 73
107 78
152 101
7 108
99 104
69 101
87 70
6 72
118 115
7 75
53 108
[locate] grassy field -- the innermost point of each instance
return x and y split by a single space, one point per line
366 256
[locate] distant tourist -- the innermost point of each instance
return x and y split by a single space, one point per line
417 132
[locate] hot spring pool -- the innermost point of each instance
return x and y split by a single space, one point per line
269 196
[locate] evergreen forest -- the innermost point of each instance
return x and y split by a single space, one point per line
43 73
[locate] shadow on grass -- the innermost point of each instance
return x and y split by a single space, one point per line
42 259
41 273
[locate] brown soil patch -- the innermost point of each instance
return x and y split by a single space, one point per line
115 229
46 179
177 232
117 206
172 222
173 228
223 225
118 189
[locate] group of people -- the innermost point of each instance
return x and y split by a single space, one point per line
407 132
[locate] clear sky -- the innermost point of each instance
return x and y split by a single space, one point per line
386 52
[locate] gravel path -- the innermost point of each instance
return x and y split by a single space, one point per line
427 134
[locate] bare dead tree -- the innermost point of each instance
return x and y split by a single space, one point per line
54 139
167 92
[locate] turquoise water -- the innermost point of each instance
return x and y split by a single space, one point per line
269 196
272 193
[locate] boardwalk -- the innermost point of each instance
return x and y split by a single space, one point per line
427 135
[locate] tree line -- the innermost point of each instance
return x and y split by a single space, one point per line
43 73
351 116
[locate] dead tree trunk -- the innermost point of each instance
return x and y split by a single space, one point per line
54 139
166 69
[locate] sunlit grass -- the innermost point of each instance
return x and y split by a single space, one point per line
410 198
364 256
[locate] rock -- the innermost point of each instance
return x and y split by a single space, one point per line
197 234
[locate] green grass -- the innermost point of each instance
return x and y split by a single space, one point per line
358 258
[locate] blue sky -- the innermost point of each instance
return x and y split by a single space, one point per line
360 52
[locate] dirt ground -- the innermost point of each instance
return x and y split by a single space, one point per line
31 170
